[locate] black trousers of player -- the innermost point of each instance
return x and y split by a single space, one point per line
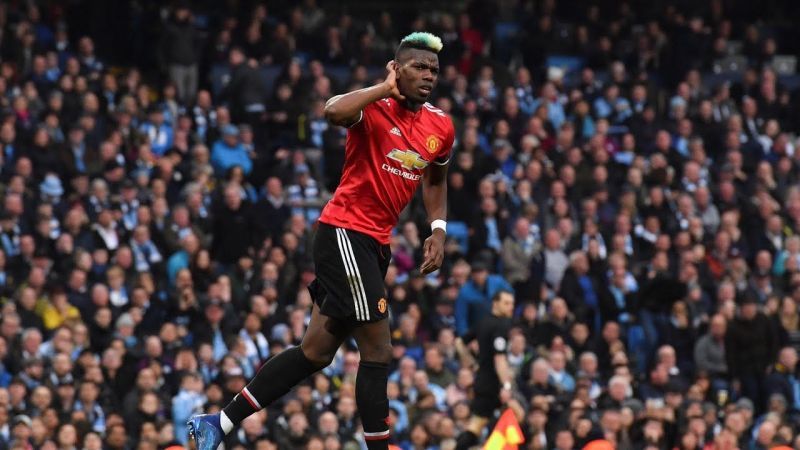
349 287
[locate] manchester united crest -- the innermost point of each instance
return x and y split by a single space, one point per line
433 144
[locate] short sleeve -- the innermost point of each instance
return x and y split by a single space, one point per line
360 119
500 340
447 150
365 119
499 344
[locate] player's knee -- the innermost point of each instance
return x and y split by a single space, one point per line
379 353
320 358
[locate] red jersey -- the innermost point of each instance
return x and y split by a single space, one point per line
386 153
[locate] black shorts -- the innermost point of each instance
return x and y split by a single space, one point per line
487 395
485 404
350 268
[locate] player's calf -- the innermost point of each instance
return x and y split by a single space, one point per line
373 404
273 380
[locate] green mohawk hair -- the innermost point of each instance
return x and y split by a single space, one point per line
422 41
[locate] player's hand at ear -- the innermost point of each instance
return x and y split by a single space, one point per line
391 81
433 252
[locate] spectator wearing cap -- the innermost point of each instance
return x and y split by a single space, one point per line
51 189
303 195
229 152
20 430
475 297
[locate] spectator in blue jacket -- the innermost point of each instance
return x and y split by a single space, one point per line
190 400
475 298
229 152
158 132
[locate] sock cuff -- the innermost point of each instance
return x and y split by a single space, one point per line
225 423
373 365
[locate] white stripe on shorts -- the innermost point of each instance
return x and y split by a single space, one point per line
351 269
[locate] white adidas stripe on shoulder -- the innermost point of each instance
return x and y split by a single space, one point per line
433 109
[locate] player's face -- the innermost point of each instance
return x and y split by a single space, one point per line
417 75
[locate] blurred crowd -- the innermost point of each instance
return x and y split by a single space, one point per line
155 231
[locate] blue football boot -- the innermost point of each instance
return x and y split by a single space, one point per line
206 431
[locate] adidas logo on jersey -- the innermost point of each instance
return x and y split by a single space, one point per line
395 131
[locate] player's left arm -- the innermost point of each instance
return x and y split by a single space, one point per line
434 195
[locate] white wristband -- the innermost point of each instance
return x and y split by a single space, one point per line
439 223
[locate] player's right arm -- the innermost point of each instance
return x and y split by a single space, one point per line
346 109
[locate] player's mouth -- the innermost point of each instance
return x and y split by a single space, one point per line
425 90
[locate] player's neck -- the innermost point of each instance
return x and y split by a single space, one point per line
411 105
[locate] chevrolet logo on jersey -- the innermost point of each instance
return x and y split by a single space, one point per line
409 159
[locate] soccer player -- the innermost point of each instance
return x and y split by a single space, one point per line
395 141
494 376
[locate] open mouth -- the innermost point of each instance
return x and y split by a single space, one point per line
425 90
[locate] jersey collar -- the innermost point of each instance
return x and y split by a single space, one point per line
405 113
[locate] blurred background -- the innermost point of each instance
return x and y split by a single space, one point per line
628 168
